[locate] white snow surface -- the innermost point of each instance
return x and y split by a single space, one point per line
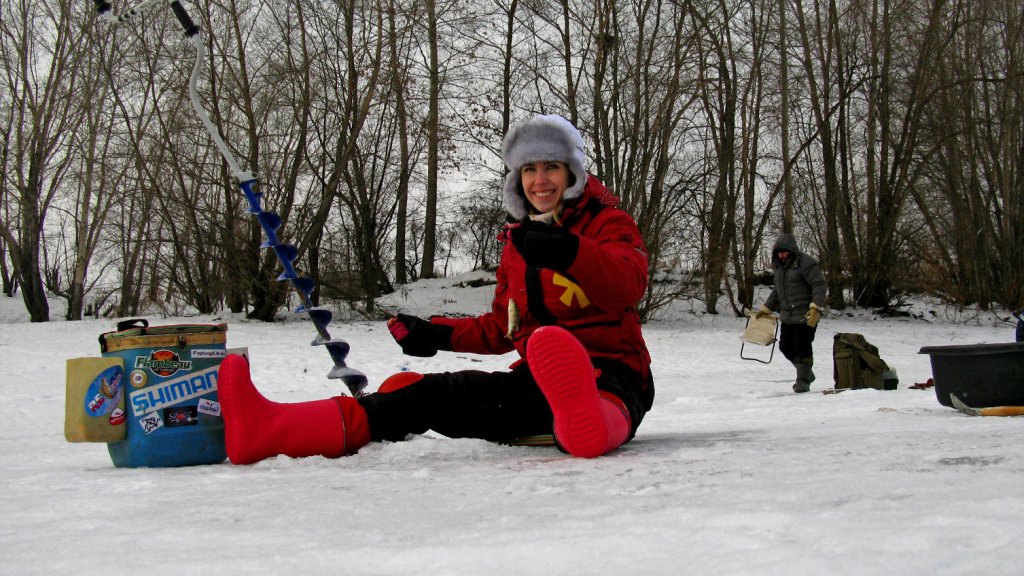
730 473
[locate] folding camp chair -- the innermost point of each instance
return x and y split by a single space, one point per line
761 331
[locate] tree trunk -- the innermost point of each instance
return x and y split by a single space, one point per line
433 135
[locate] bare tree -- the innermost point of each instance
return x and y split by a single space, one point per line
905 49
827 88
355 173
96 175
41 58
398 55
784 111
433 135
756 209
968 247
719 88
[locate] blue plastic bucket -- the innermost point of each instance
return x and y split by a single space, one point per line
173 417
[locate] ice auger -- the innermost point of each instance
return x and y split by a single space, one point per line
269 221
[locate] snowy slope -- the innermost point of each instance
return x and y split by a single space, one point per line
730 473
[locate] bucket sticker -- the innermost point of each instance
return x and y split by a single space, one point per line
151 422
208 353
208 407
163 363
173 392
117 417
180 416
138 378
105 391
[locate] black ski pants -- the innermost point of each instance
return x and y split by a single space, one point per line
796 342
494 406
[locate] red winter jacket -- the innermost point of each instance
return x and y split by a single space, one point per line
594 300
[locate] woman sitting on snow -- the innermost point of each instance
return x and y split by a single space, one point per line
572 269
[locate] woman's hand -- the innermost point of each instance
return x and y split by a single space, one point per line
543 246
419 337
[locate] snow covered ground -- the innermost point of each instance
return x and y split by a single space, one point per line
731 473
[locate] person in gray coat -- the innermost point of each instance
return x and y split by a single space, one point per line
798 295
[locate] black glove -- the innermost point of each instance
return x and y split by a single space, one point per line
419 337
544 246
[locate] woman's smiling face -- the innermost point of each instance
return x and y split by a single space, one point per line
544 183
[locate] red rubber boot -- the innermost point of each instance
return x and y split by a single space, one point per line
587 423
256 428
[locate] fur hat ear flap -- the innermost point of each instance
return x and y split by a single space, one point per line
544 138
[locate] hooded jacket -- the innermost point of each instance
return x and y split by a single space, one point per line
594 298
798 282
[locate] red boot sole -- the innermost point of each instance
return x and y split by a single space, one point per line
565 374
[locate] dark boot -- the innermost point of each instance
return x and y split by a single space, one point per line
588 423
804 376
256 428
809 361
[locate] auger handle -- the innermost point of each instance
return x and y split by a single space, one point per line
338 349
187 24
105 10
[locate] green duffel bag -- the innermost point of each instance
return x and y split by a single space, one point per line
856 363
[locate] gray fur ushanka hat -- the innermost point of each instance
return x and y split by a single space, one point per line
541 139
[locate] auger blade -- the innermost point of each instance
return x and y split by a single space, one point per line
338 349
286 252
270 220
354 380
320 316
253 197
303 284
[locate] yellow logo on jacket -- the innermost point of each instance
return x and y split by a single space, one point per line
571 290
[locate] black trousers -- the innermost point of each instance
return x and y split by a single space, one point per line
494 406
796 342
